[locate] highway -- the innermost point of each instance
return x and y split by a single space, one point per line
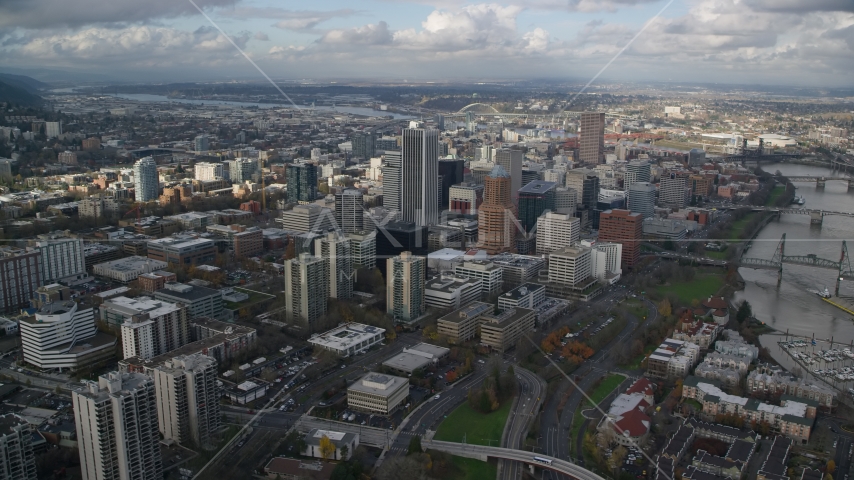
525 408
480 452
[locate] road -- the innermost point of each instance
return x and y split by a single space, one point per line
552 465
554 439
525 408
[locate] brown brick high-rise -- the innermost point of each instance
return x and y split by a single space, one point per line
625 228
496 228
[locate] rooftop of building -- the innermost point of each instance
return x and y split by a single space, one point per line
180 242
345 336
139 305
448 283
472 310
130 264
293 468
187 292
523 291
10 422
505 317
378 384
537 187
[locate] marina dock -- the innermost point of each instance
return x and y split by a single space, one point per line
845 304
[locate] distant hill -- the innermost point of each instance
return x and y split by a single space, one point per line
29 84
18 96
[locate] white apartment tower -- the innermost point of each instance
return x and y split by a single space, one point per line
187 399
350 210
17 461
419 175
62 258
334 249
146 183
405 286
306 288
208 171
557 230
117 432
149 327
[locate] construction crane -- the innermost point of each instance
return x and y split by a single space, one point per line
134 209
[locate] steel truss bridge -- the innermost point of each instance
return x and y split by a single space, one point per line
842 267
816 216
483 110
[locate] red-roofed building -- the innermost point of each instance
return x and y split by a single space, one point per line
718 309
645 387
630 428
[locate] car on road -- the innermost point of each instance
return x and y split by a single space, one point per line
436 397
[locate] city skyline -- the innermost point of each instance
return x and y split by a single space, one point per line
727 41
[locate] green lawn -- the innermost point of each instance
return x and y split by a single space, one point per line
599 393
738 226
478 428
636 362
775 194
474 469
701 287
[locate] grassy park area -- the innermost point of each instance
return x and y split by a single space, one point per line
599 393
476 427
472 469
699 288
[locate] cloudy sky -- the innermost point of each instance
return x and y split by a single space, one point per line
788 42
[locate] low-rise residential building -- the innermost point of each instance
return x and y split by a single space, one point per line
626 421
698 332
345 443
448 291
348 339
776 463
127 269
378 393
672 359
715 465
773 380
793 418
735 345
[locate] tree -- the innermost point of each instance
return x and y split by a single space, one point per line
414 445
744 312
327 448
664 308
344 452
831 466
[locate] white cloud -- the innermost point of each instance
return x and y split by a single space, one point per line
261 36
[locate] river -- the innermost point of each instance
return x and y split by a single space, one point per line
367 112
791 307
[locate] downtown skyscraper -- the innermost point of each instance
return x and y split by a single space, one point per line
592 141
419 175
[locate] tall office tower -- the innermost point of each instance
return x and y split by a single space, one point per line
642 199
20 277
391 180
350 210
306 289
557 230
674 190
207 171
592 141
393 238
62 258
565 200
302 182
696 157
363 249
440 121
479 171
484 153
405 287
585 182
496 226
636 171
307 218
334 249
364 144
419 175
187 399
242 169
471 123
202 143
607 258
623 227
450 173
570 266
17 461
117 432
146 183
615 201
511 160
52 129
534 199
